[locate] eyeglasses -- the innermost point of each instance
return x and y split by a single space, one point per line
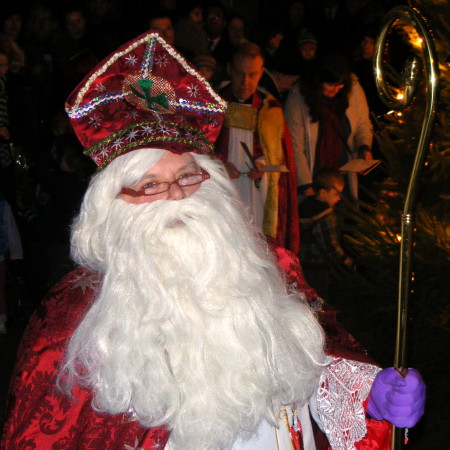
158 188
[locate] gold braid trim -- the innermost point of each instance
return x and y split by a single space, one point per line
240 116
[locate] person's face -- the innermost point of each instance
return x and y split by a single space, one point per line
12 26
275 41
206 72
4 65
308 51
214 22
330 90
170 167
236 31
367 47
42 23
196 15
165 27
75 24
245 73
332 195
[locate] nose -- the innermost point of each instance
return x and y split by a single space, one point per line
176 192
245 80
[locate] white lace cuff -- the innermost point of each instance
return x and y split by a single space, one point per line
337 405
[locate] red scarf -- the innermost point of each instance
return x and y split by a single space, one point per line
330 144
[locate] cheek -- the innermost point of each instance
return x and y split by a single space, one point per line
189 190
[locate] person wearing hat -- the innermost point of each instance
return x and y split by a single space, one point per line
304 60
178 329
307 45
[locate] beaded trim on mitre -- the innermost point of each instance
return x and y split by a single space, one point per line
142 134
77 111
148 93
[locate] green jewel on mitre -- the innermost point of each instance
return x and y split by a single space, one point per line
151 93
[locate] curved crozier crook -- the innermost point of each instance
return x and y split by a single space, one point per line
410 76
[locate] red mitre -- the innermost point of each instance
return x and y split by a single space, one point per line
144 95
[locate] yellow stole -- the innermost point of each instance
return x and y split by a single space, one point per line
269 122
270 131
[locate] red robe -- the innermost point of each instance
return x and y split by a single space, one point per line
287 232
41 417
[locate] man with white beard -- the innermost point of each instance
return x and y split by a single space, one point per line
179 330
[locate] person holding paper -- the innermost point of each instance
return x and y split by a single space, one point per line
328 119
256 148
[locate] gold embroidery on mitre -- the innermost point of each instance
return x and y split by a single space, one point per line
241 116
149 93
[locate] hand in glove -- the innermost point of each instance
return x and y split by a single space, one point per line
397 399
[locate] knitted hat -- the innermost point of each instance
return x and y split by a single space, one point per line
306 38
144 95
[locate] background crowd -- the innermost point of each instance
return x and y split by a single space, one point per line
47 48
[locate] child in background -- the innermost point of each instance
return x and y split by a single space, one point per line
320 245
10 244
206 66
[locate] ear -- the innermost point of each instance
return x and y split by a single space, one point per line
262 72
262 69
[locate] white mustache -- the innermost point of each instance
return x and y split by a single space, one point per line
176 223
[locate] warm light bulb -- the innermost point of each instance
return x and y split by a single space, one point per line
400 96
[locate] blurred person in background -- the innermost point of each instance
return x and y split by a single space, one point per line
328 119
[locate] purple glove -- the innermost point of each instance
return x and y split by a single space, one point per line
396 399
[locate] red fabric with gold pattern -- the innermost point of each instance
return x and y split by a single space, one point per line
144 95
41 417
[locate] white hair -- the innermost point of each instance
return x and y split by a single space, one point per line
193 327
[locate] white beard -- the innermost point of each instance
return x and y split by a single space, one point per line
193 327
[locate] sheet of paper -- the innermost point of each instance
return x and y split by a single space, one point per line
361 166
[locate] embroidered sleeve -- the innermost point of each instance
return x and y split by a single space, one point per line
337 405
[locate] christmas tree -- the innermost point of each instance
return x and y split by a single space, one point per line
367 299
